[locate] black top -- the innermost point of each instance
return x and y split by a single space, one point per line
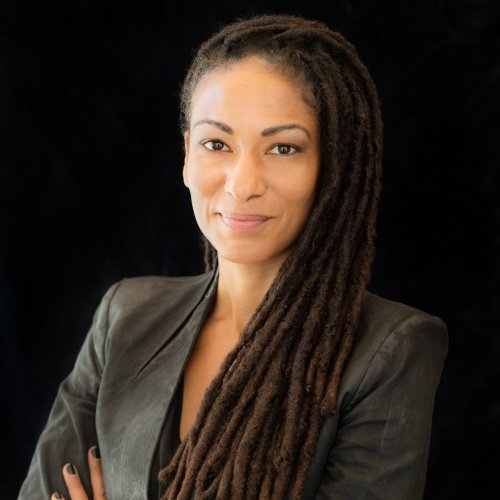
168 443
169 438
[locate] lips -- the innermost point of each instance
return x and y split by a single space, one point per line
243 222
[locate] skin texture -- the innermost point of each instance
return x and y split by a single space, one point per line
251 195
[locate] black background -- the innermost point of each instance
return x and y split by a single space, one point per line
91 190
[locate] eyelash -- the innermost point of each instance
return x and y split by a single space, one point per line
296 148
212 141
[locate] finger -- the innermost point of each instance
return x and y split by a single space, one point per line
56 496
73 482
96 477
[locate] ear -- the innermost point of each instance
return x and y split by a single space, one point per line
186 158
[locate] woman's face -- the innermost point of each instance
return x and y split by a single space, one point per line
252 161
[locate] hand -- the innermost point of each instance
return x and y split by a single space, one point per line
72 479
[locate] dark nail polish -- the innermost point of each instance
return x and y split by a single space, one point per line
57 495
96 453
71 469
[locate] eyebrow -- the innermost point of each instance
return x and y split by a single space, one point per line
265 133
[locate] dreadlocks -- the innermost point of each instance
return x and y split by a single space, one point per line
258 425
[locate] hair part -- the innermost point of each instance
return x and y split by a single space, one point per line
277 386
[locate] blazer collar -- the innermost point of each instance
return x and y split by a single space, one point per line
189 296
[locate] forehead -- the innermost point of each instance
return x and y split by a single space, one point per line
250 84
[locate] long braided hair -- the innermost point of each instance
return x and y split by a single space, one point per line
258 425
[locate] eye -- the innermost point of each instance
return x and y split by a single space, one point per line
285 149
216 145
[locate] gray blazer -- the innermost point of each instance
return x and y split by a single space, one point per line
126 373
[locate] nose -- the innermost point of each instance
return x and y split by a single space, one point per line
244 178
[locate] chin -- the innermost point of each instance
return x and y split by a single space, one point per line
242 257
251 254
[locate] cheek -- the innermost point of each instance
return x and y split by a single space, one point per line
300 192
300 199
204 187
201 180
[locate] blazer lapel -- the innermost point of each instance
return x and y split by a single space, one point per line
130 418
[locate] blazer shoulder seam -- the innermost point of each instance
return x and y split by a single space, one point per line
390 333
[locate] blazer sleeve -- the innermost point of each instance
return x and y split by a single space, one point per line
70 429
382 441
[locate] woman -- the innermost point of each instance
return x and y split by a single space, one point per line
275 374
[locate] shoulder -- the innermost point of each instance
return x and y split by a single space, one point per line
134 307
134 294
392 339
386 315
131 291
381 320
138 315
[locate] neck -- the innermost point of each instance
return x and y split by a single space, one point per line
241 288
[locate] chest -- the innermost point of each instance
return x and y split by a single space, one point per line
212 346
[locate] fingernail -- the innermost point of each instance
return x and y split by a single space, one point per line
96 453
56 495
71 469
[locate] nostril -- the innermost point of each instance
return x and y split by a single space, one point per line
245 189
244 176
